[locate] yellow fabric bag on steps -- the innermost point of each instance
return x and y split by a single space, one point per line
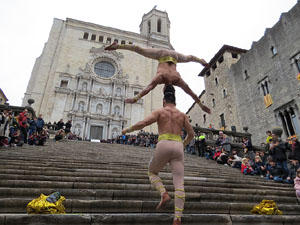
51 204
266 207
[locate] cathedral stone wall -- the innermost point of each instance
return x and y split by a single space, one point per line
76 79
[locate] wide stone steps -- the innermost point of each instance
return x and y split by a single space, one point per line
108 184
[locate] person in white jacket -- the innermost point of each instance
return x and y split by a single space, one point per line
297 184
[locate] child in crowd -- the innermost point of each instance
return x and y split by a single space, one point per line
223 158
259 167
275 172
32 139
297 184
209 153
246 168
217 153
234 160
60 134
294 166
16 139
42 137
263 157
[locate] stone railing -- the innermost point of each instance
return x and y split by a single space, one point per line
18 109
235 137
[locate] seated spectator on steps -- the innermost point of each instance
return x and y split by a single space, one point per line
246 168
42 137
59 135
294 166
16 139
275 172
223 158
32 139
234 160
217 153
263 156
259 167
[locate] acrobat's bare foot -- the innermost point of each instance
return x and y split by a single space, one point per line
164 199
205 108
111 47
130 100
177 222
204 63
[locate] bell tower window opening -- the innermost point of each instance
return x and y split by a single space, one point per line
85 35
93 38
100 38
273 50
149 27
297 61
159 25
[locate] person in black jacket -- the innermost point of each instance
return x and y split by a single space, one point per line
277 150
275 172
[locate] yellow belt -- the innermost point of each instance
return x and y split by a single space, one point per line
167 59
170 137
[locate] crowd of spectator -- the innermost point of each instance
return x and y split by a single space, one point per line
24 128
279 161
142 139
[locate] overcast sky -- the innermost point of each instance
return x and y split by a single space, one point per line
198 27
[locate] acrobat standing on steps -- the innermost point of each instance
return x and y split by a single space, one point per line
169 149
166 71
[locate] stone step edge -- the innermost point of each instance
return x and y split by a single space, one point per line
145 218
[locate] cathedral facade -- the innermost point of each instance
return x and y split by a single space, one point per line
76 79
257 89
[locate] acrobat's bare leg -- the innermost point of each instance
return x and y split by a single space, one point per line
189 91
147 52
191 58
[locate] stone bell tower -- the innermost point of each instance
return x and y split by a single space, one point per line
156 25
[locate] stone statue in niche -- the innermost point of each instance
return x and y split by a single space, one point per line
118 91
117 110
84 86
115 133
99 108
81 106
77 130
102 92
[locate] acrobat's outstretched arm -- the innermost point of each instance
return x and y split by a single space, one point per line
155 81
184 86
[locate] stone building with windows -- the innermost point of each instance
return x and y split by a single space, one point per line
3 98
256 89
76 79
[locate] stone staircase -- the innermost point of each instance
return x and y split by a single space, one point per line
108 184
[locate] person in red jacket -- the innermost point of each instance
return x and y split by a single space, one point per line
246 167
22 120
